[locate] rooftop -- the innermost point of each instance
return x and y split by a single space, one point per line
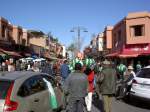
138 15
3 19
15 75
107 28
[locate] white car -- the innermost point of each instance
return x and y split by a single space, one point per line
141 84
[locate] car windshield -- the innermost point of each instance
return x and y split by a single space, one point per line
4 86
144 73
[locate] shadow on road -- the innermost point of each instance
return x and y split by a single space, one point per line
138 103
98 103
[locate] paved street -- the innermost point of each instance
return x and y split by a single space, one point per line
120 106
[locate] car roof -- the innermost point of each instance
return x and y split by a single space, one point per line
17 74
147 66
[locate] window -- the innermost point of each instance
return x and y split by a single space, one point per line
23 42
3 31
137 30
47 42
144 73
31 86
4 86
119 36
19 38
51 80
9 34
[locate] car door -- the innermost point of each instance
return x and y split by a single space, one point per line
32 94
57 90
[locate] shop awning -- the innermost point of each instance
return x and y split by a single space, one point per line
145 54
48 56
122 55
2 53
112 55
25 54
10 53
127 55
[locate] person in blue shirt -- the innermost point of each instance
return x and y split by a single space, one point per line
64 70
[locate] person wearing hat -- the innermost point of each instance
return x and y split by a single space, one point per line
126 84
107 84
130 73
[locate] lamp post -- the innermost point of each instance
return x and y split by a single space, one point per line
78 30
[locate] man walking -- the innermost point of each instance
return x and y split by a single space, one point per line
107 84
88 99
64 70
76 88
47 68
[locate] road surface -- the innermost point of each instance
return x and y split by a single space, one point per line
121 106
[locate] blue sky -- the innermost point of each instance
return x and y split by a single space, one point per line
60 16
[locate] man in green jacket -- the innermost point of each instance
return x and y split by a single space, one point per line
107 84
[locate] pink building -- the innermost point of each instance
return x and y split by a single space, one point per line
130 37
8 38
26 38
14 40
38 42
6 30
17 34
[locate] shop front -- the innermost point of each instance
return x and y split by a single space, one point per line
131 54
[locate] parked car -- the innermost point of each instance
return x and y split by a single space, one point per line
141 84
28 92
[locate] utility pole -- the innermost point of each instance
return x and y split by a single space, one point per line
78 30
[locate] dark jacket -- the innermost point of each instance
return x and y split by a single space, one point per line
47 68
107 83
76 85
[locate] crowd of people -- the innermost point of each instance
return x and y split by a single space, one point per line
82 80
98 77
46 66
81 84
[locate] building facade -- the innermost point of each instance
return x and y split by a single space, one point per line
131 34
130 38
6 32
16 41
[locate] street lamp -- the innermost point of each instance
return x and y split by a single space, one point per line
78 30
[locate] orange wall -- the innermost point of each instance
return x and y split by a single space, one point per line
138 21
39 41
3 22
119 41
108 37
17 34
26 36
